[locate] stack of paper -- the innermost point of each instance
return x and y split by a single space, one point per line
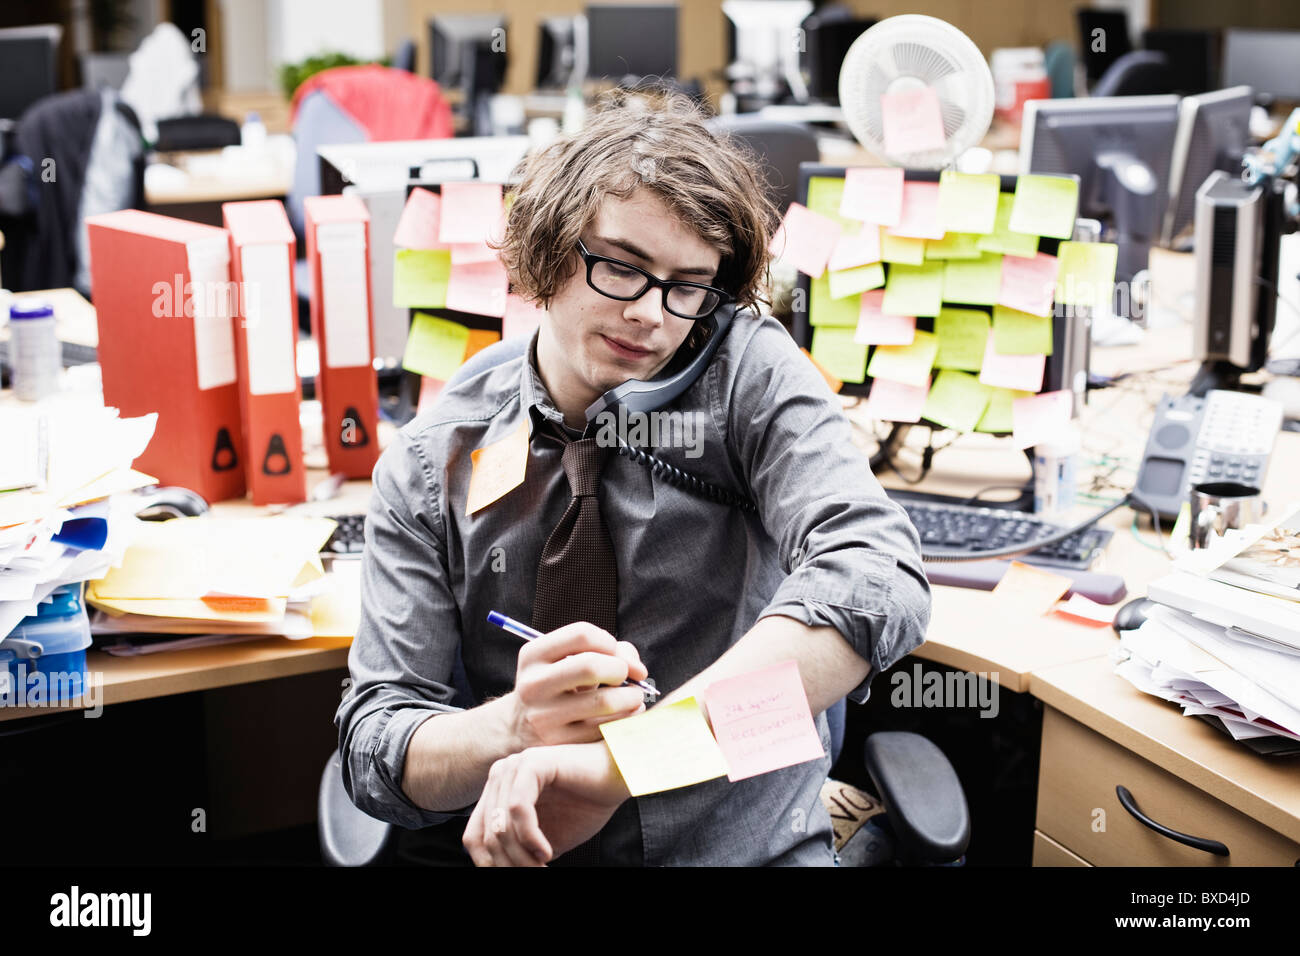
72 524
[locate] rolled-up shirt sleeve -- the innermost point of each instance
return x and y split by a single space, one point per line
851 556
401 660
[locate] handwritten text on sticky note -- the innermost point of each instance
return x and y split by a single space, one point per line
762 721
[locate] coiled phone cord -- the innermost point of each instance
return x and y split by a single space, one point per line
685 480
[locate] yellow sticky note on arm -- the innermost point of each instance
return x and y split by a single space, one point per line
435 347
498 468
667 747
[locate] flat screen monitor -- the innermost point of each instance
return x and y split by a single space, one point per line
1103 39
452 38
1265 60
28 67
556 58
1213 133
631 39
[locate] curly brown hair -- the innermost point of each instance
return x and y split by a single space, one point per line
655 140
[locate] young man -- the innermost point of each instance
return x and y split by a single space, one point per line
627 233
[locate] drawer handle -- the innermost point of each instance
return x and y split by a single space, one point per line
1200 843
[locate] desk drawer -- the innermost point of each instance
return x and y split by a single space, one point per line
1078 774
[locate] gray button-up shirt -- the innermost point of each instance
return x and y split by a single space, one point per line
826 547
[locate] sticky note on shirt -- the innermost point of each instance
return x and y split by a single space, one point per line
1022 372
762 721
418 226
968 202
805 240
892 401
834 349
1037 418
1019 333
873 195
962 335
914 290
1030 590
420 278
998 416
497 468
1003 240
1029 284
1087 273
912 121
665 748
973 281
909 364
824 309
434 346
920 214
852 281
470 212
1045 206
856 249
909 252
875 327
954 245
956 400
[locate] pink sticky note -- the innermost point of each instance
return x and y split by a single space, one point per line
1086 610
1023 372
857 249
872 195
877 328
891 401
920 215
466 252
521 318
805 240
430 388
912 121
478 287
1038 417
1029 284
762 721
470 212
418 227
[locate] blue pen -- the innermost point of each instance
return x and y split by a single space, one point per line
529 634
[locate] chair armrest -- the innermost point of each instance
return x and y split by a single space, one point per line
922 795
348 836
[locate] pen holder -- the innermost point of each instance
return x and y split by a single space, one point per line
1220 506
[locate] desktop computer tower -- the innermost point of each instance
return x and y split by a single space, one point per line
1229 241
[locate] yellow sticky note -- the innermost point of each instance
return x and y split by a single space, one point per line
968 202
962 335
667 747
902 249
1019 333
1030 590
859 279
1087 275
435 347
956 400
1003 240
974 281
954 245
914 290
420 278
1045 206
497 468
825 193
825 309
997 417
909 364
835 351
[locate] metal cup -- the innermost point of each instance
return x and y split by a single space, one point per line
1221 505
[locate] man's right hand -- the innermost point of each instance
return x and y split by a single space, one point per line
567 685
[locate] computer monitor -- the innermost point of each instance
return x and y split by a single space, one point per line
764 59
1120 148
631 39
1192 54
1264 60
827 40
1213 133
28 67
1103 39
452 36
556 53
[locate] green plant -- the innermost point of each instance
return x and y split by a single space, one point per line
293 75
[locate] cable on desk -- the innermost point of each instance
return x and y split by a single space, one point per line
1155 519
1146 544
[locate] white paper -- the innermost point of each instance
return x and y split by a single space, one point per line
269 318
214 339
345 296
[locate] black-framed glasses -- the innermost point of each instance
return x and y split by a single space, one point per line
621 280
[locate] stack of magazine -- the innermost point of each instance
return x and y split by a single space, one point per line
1223 640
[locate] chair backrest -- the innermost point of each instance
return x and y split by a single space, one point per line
320 122
1139 73
781 147
1058 60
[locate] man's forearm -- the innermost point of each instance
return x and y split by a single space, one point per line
449 756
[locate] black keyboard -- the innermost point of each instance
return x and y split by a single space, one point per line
954 527
349 538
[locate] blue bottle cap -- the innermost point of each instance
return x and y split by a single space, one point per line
30 309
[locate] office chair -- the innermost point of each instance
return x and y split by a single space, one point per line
1139 73
780 146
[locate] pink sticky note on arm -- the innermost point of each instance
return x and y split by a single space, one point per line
1036 418
1029 284
470 212
872 195
418 227
920 214
1021 372
805 240
912 121
892 401
762 721
875 327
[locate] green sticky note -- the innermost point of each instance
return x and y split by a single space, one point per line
914 290
1019 333
835 350
855 280
435 347
997 417
962 334
974 281
909 364
420 278
825 309
824 195
956 400
902 249
968 202
954 245
1045 206
1003 239
1087 273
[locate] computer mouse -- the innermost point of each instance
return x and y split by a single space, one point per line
1132 614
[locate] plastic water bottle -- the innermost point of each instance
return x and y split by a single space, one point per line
252 135
35 351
